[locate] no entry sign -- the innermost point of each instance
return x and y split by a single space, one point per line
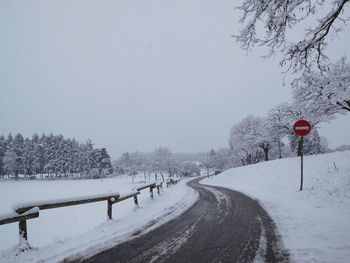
302 128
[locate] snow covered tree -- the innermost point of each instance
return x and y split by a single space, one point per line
328 92
52 154
94 173
132 163
190 169
38 154
49 153
28 158
18 147
172 166
2 154
75 156
222 159
11 163
269 22
266 137
251 138
86 158
103 160
124 162
211 159
241 140
161 161
312 143
9 142
283 117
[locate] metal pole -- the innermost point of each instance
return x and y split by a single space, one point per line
302 164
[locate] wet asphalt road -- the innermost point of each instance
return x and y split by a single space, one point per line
221 226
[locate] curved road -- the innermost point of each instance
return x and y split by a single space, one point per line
221 226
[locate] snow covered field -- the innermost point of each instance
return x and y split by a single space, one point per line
83 229
314 223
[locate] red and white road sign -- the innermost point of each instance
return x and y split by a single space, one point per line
302 128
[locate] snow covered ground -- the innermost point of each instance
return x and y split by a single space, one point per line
314 223
84 229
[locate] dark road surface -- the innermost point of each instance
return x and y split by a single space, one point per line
221 226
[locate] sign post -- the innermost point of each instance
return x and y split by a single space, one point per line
302 128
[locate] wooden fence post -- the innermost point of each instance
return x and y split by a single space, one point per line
151 191
23 229
135 200
109 208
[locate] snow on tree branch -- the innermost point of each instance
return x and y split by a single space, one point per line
328 92
279 17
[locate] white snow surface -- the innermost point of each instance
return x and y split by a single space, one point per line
83 230
314 223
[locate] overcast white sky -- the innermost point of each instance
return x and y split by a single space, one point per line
136 74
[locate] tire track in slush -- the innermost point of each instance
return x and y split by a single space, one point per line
221 226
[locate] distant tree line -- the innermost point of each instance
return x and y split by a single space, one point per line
52 156
158 164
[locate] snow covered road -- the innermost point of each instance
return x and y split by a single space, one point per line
314 223
222 226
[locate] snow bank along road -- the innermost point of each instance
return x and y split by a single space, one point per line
221 226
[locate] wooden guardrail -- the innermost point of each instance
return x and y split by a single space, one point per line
159 186
30 210
119 199
14 217
150 186
20 208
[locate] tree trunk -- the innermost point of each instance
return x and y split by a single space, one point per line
266 152
279 148
256 157
249 159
